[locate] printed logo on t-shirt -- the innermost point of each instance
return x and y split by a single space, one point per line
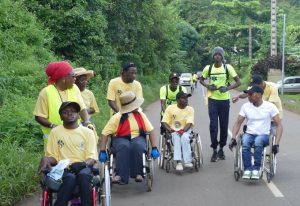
60 143
214 78
177 124
81 146
119 91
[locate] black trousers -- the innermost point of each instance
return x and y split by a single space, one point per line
83 180
218 111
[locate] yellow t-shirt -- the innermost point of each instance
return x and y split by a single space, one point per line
112 125
171 98
218 78
116 87
41 107
177 118
75 144
271 95
195 77
89 100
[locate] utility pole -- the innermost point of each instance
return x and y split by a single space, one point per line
273 29
250 41
283 50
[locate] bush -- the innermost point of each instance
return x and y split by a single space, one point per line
18 170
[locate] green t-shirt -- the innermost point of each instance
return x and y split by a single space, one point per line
171 98
218 78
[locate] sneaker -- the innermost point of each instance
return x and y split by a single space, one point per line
188 165
247 174
214 156
255 175
221 154
179 166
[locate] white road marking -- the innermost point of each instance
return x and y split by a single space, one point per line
274 189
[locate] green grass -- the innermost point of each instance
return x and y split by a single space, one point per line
291 102
18 175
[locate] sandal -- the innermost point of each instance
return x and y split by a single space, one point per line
139 178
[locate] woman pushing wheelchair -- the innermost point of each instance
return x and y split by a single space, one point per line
128 129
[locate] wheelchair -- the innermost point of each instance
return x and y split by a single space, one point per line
148 169
268 162
99 196
165 161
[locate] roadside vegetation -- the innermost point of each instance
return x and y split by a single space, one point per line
159 36
291 102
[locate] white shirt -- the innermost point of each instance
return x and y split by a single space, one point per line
259 118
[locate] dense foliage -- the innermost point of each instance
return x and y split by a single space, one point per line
157 35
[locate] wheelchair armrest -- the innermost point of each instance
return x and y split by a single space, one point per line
95 171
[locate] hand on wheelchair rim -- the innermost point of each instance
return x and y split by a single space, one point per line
155 153
232 143
275 149
102 156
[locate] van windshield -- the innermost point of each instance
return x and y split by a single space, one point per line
185 75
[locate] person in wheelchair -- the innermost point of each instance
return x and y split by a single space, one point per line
178 121
258 114
270 94
167 94
76 143
128 129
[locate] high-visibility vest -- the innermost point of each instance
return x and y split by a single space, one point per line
54 103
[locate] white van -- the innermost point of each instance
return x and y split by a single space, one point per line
290 84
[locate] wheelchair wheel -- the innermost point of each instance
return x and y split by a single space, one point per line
236 176
237 160
272 157
162 149
168 166
199 150
47 199
105 195
268 177
149 175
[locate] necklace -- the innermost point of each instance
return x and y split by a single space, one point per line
58 93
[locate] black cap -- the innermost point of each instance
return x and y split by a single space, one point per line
254 89
182 94
127 65
256 79
173 75
65 104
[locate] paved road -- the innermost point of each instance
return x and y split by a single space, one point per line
214 184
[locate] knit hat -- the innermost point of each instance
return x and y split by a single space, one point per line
218 50
57 70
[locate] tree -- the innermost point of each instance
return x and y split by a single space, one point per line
78 29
